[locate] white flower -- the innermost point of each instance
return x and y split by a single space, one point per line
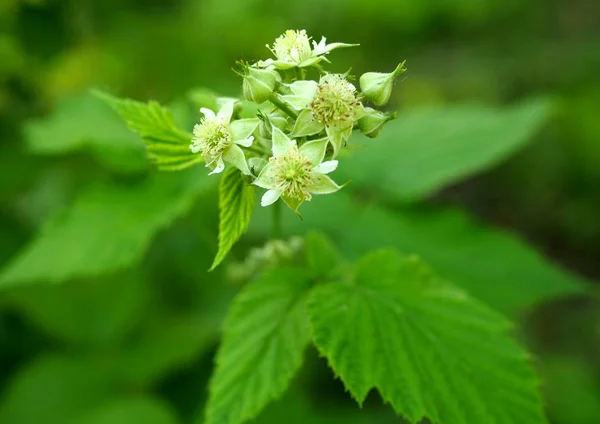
294 173
331 105
219 140
292 49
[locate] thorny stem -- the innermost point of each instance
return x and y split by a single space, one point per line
277 101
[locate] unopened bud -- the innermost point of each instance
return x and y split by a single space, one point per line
259 84
373 122
377 87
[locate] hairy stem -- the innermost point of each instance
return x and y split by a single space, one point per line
278 101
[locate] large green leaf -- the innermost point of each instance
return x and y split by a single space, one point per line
264 338
167 144
425 150
93 312
106 229
165 344
86 122
493 265
429 349
131 410
55 390
236 202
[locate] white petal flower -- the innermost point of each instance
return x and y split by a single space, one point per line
218 139
294 173
293 49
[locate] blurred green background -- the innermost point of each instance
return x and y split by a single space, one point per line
129 334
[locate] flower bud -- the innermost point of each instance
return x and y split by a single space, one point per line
373 122
377 87
259 84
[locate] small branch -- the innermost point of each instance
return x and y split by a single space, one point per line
278 101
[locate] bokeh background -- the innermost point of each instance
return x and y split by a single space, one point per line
136 345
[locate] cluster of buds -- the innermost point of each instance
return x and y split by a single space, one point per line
271 255
291 145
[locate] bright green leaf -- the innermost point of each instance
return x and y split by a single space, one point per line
236 203
264 338
508 274
430 350
425 150
55 390
322 257
106 229
167 144
86 122
165 344
84 312
131 410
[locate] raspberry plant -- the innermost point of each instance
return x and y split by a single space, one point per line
386 322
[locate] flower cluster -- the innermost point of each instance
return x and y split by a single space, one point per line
301 124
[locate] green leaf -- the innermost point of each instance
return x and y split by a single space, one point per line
106 229
236 203
322 257
425 150
130 410
86 122
264 338
492 265
508 274
93 312
165 344
430 350
167 145
55 390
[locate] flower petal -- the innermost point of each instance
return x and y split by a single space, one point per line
226 111
297 102
246 142
235 156
219 168
322 184
243 128
326 167
209 115
195 146
270 197
281 142
322 48
304 88
266 178
314 150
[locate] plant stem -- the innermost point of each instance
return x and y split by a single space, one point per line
278 101
277 219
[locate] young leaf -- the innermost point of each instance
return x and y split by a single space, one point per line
106 229
86 122
265 335
429 349
131 409
322 257
236 203
166 143
508 275
425 150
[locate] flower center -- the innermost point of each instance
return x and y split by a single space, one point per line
335 101
293 174
292 46
213 137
